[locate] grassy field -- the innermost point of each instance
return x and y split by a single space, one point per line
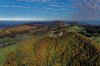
66 50
4 51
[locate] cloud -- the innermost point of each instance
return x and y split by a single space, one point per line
16 6
87 9
86 4
22 18
33 0
84 8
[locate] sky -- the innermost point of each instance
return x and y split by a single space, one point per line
49 9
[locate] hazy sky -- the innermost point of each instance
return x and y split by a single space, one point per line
49 9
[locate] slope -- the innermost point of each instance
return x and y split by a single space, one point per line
72 49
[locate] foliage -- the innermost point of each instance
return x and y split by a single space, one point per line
72 49
76 29
97 40
4 51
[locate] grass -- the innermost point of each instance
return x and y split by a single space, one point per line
4 51
62 51
97 40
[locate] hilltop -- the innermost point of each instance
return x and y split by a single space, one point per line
71 49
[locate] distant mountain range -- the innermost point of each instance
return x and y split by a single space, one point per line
14 23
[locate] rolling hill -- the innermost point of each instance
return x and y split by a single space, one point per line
71 49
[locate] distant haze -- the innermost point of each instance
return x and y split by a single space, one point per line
13 23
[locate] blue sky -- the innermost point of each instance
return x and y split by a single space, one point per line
49 9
